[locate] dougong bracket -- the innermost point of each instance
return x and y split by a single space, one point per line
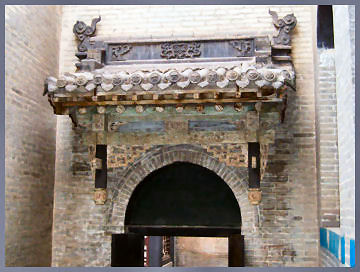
285 26
83 33
254 192
99 164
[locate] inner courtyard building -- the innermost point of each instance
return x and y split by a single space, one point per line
183 135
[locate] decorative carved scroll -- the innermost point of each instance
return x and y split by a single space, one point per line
118 51
245 47
285 26
84 32
180 50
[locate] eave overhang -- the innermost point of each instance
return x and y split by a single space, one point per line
237 84
160 72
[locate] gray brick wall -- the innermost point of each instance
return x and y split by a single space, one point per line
287 232
344 35
288 214
327 149
32 45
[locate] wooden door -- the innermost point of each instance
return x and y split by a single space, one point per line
236 250
127 250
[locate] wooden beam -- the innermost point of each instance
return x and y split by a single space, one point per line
254 164
165 102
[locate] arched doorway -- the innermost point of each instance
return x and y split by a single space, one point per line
179 199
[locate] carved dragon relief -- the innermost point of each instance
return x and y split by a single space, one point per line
118 51
83 33
285 26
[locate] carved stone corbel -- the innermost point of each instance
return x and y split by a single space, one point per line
254 196
100 196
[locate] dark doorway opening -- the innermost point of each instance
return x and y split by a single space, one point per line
325 27
181 199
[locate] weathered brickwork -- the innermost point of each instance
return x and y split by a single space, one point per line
165 155
302 176
283 231
32 51
231 154
328 164
264 152
123 155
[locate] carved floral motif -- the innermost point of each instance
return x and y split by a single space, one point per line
245 47
180 50
124 155
231 154
118 51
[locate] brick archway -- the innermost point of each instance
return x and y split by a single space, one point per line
235 178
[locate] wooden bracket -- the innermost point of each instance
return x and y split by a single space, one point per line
254 193
100 165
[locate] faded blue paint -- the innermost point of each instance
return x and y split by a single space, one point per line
142 126
343 250
204 125
334 244
352 253
323 238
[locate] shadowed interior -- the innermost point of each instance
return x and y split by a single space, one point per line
183 194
